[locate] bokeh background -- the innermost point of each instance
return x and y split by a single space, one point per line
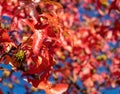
88 61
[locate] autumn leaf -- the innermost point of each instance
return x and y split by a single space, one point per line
53 89
38 37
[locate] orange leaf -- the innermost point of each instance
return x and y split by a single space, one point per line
53 89
5 37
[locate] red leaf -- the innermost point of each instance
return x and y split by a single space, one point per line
38 37
30 23
114 5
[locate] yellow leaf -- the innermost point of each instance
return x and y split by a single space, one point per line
101 57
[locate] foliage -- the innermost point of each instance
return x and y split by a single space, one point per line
59 46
